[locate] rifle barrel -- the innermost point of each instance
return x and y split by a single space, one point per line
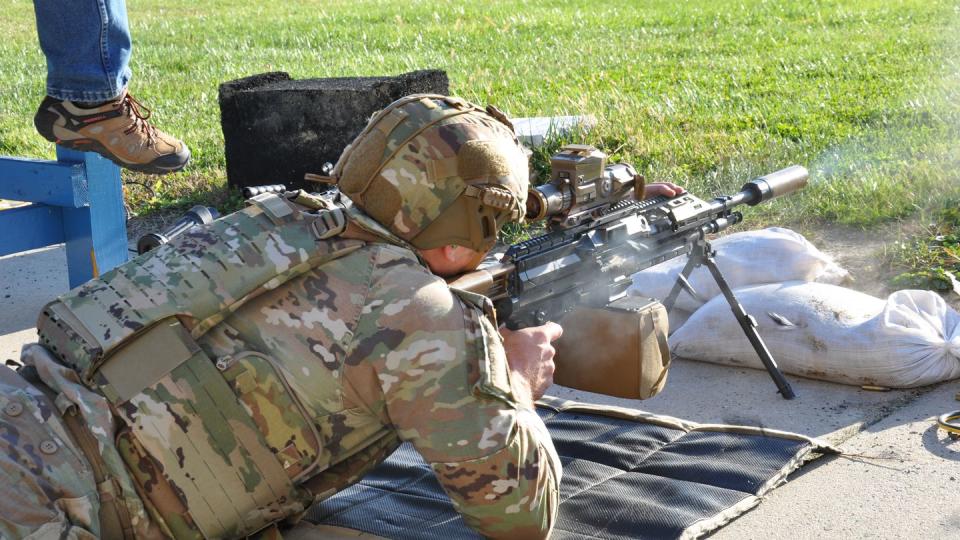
198 215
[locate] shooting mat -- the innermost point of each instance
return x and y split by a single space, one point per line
626 474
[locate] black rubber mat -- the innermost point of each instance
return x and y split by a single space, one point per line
623 477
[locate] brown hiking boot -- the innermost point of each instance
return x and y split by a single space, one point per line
117 130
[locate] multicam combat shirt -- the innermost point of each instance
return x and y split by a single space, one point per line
381 351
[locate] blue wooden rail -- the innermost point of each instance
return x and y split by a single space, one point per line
77 200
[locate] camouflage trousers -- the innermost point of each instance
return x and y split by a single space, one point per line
50 487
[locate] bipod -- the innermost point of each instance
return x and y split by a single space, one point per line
702 254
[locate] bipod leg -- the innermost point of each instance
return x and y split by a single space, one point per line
693 260
749 325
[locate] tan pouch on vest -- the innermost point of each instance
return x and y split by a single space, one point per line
619 350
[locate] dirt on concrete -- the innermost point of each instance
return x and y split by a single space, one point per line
867 253
863 252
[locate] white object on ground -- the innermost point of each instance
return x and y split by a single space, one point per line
771 255
677 317
833 334
534 131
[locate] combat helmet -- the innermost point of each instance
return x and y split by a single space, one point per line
437 170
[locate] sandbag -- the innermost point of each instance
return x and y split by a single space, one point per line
832 333
772 255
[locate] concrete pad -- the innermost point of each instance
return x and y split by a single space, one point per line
28 280
901 480
534 132
710 393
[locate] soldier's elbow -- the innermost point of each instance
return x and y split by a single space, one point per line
532 516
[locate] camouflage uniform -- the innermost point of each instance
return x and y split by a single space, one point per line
370 346
57 494
379 349
383 352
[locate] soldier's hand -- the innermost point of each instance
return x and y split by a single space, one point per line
530 355
662 188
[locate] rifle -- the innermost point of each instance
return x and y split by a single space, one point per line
599 234
198 215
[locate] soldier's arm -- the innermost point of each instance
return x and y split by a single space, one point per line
513 492
446 387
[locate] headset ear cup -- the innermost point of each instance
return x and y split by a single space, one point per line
467 222
455 225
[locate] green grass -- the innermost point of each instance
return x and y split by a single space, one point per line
931 260
707 94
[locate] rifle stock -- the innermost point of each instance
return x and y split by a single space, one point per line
490 281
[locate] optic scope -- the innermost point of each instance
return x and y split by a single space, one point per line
580 180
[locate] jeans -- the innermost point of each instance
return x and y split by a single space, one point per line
87 45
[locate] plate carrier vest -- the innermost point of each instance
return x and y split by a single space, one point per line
131 335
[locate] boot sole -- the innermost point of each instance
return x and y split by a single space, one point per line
169 163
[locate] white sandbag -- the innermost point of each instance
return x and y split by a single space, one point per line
772 255
677 318
833 334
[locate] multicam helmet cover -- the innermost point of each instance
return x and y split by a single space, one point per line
437 170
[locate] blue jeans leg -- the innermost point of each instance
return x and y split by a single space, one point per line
87 45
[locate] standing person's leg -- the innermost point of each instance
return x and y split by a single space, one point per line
87 45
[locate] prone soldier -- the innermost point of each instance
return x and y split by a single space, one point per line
223 382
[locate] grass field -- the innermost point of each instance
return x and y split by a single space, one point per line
707 94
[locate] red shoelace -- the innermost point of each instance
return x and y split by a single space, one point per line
139 113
